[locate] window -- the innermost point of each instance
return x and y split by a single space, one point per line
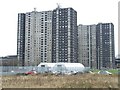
41 30
41 42
42 65
45 18
45 55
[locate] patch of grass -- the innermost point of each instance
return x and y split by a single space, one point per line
113 71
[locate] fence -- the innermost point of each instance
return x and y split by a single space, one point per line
12 70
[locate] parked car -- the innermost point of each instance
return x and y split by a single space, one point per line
31 72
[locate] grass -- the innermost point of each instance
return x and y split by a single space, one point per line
61 81
113 71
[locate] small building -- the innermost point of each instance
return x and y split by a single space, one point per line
8 60
60 67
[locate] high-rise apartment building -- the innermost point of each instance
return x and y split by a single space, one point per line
38 37
87 45
105 45
21 39
96 45
53 36
119 28
64 35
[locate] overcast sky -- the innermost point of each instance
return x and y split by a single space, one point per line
88 12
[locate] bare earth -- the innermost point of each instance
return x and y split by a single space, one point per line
61 81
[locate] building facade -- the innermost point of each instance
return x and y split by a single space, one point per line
21 39
64 35
34 37
38 37
87 45
105 45
10 60
119 28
